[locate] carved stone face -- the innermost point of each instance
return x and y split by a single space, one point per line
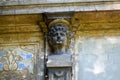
58 35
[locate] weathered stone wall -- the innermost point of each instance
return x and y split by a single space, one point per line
97 45
99 23
21 48
97 58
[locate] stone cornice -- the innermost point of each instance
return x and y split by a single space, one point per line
59 7
30 2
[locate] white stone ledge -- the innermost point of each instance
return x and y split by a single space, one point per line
28 2
101 7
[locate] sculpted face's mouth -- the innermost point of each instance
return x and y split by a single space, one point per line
59 41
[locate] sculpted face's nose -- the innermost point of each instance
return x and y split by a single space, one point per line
58 37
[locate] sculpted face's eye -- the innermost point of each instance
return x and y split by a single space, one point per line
62 34
55 34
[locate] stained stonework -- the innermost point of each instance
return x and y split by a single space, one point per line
96 23
18 62
93 30
21 48
97 58
96 45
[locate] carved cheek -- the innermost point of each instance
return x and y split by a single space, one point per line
64 38
54 39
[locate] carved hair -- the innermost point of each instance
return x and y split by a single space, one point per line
58 25
59 22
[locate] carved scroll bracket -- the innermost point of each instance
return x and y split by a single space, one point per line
43 27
